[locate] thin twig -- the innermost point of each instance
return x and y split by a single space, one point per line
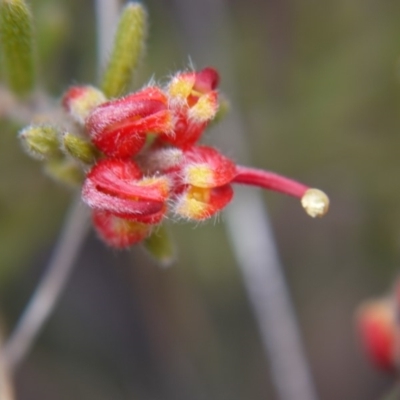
47 293
247 220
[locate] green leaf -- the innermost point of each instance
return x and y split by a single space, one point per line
41 141
128 48
16 44
80 149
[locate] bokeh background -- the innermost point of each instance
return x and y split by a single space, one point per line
316 84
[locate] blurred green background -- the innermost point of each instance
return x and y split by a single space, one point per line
317 85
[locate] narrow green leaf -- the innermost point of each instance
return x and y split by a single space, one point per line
128 48
41 141
160 246
80 149
16 44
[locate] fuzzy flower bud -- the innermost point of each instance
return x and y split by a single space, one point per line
41 141
79 101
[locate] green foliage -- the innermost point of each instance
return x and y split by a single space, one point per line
41 141
128 48
80 149
16 36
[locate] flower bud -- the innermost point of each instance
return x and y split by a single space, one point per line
79 101
41 141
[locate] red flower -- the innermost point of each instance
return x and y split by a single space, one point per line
174 173
193 101
119 127
376 323
118 187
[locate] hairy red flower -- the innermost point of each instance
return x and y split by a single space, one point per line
376 323
117 186
119 127
193 101
135 185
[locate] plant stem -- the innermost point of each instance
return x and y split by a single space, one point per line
47 293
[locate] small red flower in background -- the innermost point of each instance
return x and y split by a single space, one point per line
378 330
136 183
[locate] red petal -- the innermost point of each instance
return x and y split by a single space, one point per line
117 186
185 132
119 232
206 80
118 127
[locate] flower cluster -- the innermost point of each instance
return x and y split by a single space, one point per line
146 162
